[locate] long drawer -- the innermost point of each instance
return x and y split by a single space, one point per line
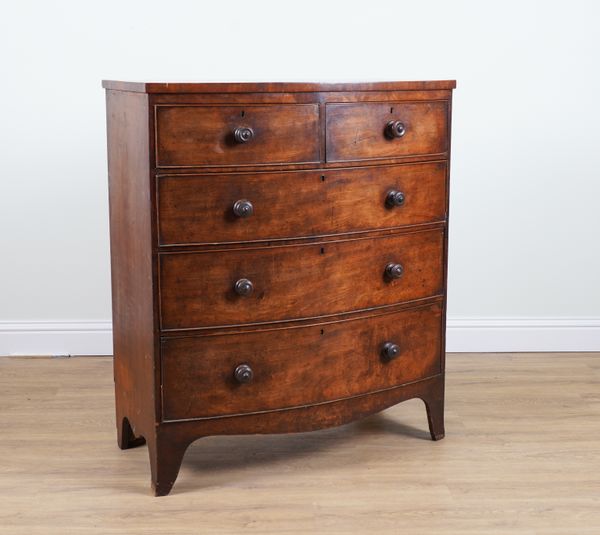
276 283
195 209
204 376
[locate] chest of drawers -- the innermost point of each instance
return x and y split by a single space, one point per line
278 255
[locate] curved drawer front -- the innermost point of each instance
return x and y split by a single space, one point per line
188 136
276 283
297 366
375 130
202 208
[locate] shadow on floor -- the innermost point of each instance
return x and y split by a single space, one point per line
216 460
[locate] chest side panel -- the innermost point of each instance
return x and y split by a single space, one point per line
132 258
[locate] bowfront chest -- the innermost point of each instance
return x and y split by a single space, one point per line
278 257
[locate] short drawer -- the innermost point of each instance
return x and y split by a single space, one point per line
188 136
376 130
259 371
276 283
262 206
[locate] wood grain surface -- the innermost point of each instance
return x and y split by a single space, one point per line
132 263
291 282
356 131
198 372
273 87
188 136
196 209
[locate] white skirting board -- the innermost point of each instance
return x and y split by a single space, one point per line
58 338
513 335
464 335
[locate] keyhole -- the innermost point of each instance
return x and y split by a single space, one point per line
391 110
322 178
322 250
322 331
243 113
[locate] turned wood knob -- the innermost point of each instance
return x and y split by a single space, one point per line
243 208
394 271
389 351
243 287
243 374
243 134
394 198
395 129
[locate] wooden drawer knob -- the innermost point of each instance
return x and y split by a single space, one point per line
243 287
394 271
389 351
243 374
243 208
395 129
395 198
243 134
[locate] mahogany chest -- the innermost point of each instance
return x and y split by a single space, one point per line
278 257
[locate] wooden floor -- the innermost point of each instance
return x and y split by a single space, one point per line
521 456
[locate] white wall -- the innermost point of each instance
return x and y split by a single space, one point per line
525 222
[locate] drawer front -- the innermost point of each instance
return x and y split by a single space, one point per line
359 131
297 366
189 136
206 289
202 208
